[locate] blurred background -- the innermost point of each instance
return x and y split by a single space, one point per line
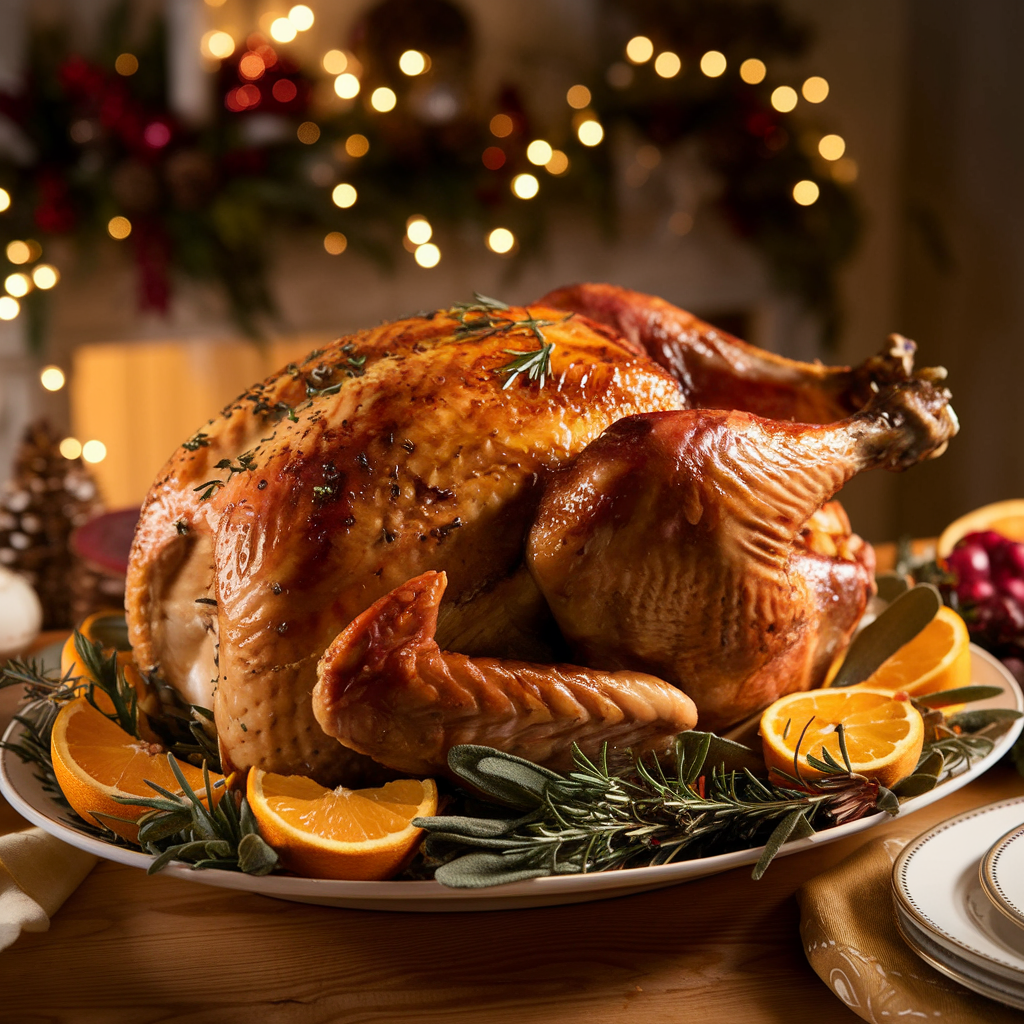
194 192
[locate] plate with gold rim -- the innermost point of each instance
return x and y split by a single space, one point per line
1002 873
24 790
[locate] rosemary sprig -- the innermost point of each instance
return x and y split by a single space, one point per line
198 440
536 365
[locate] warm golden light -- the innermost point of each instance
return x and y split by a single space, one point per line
301 17
639 49
18 252
17 285
5 200
383 99
832 147
418 230
35 250
215 3
501 241
578 97
120 227
539 152
815 89
344 195
251 66
357 145
784 99
427 255
558 164
346 86
217 45
648 156
94 451
668 64
335 62
282 30
335 243
502 125
753 71
590 133
308 132
713 64
525 186
680 223
412 63
52 378
845 171
71 448
45 276
9 308
126 64
806 192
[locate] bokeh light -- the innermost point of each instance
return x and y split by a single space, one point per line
832 147
412 63
344 195
418 230
648 156
71 448
251 66
668 64
680 223
578 97
126 64
784 99
335 243
335 62
558 164
502 125
284 90
301 17
383 99
9 307
45 276
815 89
806 192
845 171
639 49
119 227
525 186
5 200
17 285
539 152
427 255
753 71
52 378
493 158
217 45
94 451
308 132
18 252
501 241
713 64
346 86
590 132
357 145
282 30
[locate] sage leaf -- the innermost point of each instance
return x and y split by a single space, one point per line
728 755
973 721
479 870
916 784
780 834
960 695
255 856
891 585
509 779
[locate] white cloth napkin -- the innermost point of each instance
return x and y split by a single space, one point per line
37 874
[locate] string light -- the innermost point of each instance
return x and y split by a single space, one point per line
126 64
493 158
668 64
17 285
501 125
590 132
784 99
639 50
5 200
335 243
427 255
832 147
9 307
344 195
94 451
806 192
501 241
45 276
412 63
217 45
71 448
284 90
752 71
18 252
418 230
119 227
713 64
301 17
525 186
357 145
52 378
35 250
282 30
347 86
578 97
334 62
558 164
251 66
308 132
815 89
383 99
539 152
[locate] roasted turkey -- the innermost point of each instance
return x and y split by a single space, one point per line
592 519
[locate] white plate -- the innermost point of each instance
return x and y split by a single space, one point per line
983 982
27 796
1002 874
937 885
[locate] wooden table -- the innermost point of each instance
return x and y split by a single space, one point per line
722 950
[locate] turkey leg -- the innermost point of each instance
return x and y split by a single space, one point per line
718 371
386 689
671 545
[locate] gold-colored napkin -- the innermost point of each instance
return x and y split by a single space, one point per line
848 927
37 874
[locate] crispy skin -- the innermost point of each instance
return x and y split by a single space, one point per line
422 462
387 690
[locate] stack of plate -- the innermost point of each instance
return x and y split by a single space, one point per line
960 899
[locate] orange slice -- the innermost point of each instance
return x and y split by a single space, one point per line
95 760
1005 517
884 733
340 833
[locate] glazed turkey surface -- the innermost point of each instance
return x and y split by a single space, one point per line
404 450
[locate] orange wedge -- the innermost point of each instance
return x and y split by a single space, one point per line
884 732
95 760
1004 517
340 833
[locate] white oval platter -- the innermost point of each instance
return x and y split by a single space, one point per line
26 794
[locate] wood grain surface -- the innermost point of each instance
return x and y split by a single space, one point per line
722 950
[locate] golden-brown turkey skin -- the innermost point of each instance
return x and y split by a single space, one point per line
386 689
672 545
419 461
